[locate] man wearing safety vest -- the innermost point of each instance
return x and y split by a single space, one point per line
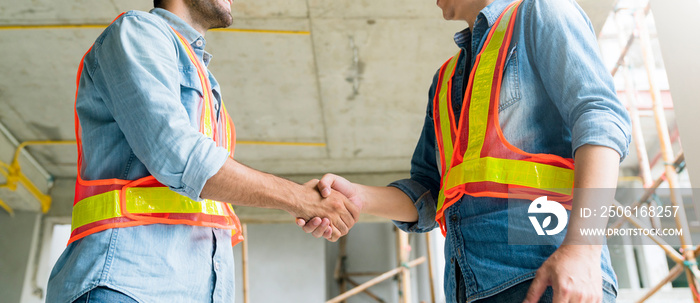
524 101
152 220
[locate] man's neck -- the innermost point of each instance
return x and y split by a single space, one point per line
180 9
472 9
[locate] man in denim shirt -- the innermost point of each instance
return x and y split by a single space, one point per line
556 98
138 102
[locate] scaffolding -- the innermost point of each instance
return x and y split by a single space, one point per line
685 257
401 272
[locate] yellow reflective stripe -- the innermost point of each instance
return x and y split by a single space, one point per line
482 88
441 199
515 172
206 109
227 126
140 200
164 200
206 114
95 208
445 125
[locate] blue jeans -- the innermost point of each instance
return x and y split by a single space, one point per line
103 294
518 292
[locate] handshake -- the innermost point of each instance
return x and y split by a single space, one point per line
331 209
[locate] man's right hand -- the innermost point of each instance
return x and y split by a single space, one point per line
338 211
384 201
326 186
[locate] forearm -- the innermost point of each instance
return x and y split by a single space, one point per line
238 184
595 182
388 202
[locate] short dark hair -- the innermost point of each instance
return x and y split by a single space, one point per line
157 3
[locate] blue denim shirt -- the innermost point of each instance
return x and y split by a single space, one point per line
137 104
556 96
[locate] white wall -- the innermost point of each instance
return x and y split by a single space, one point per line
285 265
17 235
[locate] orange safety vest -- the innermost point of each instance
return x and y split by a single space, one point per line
482 163
116 203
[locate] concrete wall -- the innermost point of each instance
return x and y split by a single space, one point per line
17 237
285 265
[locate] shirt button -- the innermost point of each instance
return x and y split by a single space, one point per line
461 71
216 265
199 43
454 218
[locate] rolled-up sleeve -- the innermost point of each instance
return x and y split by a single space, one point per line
564 46
137 61
424 184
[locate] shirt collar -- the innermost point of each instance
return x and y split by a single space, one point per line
187 31
494 10
462 37
490 13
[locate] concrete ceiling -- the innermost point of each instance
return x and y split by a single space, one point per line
304 87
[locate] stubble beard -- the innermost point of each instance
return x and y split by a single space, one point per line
210 13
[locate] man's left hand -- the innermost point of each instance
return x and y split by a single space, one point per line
574 273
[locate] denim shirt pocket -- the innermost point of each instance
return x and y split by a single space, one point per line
510 85
189 80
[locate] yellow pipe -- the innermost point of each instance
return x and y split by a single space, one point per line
102 26
3 205
27 143
6 207
51 26
631 178
245 142
262 31
44 200
281 143
5 169
15 159
15 175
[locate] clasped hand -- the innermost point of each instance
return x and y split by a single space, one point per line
340 200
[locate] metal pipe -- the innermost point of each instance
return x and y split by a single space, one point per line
662 130
675 272
366 291
316 144
666 148
405 275
649 191
375 281
102 26
670 251
430 267
30 158
20 147
244 256
627 47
